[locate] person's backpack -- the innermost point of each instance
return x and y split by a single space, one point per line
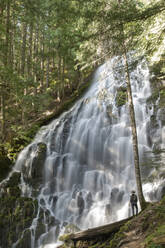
133 198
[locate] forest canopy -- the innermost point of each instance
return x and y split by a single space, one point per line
47 48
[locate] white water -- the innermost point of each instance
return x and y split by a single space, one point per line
89 149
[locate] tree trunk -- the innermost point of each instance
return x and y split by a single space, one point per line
23 54
47 72
30 52
2 100
7 32
134 132
4 82
42 61
133 122
97 231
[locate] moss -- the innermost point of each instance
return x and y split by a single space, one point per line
157 238
162 98
121 96
14 180
65 237
5 167
16 215
41 147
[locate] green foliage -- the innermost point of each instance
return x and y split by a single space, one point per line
52 46
159 233
121 96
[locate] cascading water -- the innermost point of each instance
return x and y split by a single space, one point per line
89 150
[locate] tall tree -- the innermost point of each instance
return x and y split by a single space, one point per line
132 119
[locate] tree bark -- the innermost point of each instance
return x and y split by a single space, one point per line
7 32
23 54
134 132
30 52
47 71
97 231
42 61
133 121
3 128
4 81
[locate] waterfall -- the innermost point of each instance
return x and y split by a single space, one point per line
89 150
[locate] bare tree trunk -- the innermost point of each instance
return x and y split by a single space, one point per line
4 82
42 62
48 67
63 77
134 132
47 72
2 101
7 32
30 52
133 122
23 53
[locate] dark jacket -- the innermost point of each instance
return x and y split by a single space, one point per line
133 198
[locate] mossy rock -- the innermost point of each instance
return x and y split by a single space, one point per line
14 180
25 241
157 238
71 228
5 166
16 215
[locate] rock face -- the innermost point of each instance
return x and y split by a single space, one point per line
33 174
38 161
161 116
5 166
16 214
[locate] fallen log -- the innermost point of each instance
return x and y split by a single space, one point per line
97 231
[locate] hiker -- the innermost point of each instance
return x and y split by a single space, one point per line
133 202
80 203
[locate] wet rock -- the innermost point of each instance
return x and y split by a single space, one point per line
162 193
100 195
120 196
161 116
108 210
53 221
10 187
55 199
75 190
14 180
153 135
16 215
114 194
39 230
89 200
34 165
26 240
71 228
38 161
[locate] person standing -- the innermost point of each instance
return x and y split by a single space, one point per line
133 202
